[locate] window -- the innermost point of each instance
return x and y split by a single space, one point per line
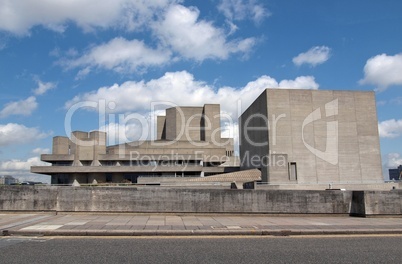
292 171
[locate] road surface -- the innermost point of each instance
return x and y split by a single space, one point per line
347 249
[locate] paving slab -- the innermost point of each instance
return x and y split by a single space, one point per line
97 224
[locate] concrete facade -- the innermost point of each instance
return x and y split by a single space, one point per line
188 144
312 137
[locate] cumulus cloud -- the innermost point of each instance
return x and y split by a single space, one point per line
20 169
184 33
120 55
180 88
43 87
19 17
127 131
12 133
392 160
18 165
383 71
243 9
390 128
180 34
177 31
314 56
22 107
39 151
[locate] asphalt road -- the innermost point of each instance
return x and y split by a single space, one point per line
370 249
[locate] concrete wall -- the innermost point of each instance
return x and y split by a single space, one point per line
210 123
61 145
160 127
121 199
183 123
253 136
129 199
380 202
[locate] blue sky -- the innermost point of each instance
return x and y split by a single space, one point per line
54 54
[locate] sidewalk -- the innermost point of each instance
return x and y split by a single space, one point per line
98 224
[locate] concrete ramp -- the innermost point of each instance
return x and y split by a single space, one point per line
239 178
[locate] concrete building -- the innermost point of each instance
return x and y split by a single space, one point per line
311 137
188 144
395 174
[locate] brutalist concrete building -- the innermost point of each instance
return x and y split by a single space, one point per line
188 144
310 137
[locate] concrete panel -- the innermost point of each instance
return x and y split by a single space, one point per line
210 123
278 97
171 124
281 144
369 145
347 129
161 127
349 173
280 122
327 172
372 173
61 145
118 199
383 203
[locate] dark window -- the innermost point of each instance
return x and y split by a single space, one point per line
292 171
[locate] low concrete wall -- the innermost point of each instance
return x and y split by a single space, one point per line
160 200
366 203
382 203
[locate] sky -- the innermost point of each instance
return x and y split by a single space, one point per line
88 65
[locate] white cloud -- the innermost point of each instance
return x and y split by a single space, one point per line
300 82
183 32
243 9
181 88
39 151
390 128
24 165
12 133
314 56
177 30
118 133
20 169
43 87
392 160
120 55
383 71
22 107
82 73
19 17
